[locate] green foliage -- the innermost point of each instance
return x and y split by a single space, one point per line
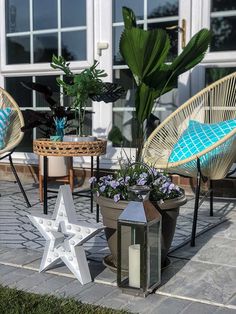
80 86
115 136
13 301
145 52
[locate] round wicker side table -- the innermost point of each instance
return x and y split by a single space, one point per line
45 147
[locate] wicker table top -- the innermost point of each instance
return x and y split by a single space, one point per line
46 147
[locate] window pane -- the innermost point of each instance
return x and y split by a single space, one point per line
44 14
162 8
219 5
137 7
17 16
214 74
18 50
74 45
51 82
117 58
73 14
173 34
22 95
224 36
45 46
26 145
124 124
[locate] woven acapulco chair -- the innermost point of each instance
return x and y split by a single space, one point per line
14 134
213 104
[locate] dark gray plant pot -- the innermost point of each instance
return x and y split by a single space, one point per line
111 211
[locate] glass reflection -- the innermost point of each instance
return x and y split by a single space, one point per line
73 14
224 36
45 45
219 5
214 74
173 34
22 95
74 45
52 83
44 14
17 16
117 58
18 50
162 8
137 7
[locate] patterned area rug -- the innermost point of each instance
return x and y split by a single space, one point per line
16 230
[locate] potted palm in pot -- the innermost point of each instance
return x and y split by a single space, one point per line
81 87
145 52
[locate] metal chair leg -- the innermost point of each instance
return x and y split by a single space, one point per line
195 214
19 183
211 198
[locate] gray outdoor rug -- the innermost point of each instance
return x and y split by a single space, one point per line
16 230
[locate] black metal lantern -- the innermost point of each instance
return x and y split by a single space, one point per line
139 248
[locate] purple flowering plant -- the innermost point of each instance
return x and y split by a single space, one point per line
117 186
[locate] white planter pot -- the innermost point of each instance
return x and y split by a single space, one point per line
76 138
57 166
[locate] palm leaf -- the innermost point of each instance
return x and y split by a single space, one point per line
129 17
110 92
144 51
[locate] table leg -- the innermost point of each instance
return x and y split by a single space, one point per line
97 176
91 187
45 185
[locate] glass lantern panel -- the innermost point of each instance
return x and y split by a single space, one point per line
132 239
154 253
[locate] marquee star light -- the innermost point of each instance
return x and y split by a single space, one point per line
64 237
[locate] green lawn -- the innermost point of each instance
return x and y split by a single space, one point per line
13 301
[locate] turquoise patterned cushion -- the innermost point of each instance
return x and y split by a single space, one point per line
199 136
4 122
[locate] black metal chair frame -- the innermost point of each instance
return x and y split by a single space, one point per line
16 176
198 201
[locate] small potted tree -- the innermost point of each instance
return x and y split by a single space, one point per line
81 87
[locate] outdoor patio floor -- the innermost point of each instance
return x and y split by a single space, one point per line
199 280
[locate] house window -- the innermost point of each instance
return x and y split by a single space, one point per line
150 14
34 31
223 24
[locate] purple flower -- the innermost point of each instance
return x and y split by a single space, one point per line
116 198
114 184
92 180
141 181
102 188
127 178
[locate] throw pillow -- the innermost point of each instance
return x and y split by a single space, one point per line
199 136
4 122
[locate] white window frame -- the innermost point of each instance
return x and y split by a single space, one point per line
24 69
43 69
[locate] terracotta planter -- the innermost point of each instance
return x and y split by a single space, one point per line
111 211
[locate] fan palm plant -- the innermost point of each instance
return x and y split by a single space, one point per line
145 52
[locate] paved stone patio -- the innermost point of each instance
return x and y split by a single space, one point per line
200 279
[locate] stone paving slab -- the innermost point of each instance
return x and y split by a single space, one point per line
197 281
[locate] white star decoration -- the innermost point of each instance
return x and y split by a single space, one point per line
64 237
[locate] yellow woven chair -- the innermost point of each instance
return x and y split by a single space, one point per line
213 104
14 134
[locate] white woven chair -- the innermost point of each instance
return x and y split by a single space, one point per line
213 104
14 134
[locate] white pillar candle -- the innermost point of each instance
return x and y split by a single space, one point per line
134 265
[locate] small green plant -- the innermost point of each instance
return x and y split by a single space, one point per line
80 86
